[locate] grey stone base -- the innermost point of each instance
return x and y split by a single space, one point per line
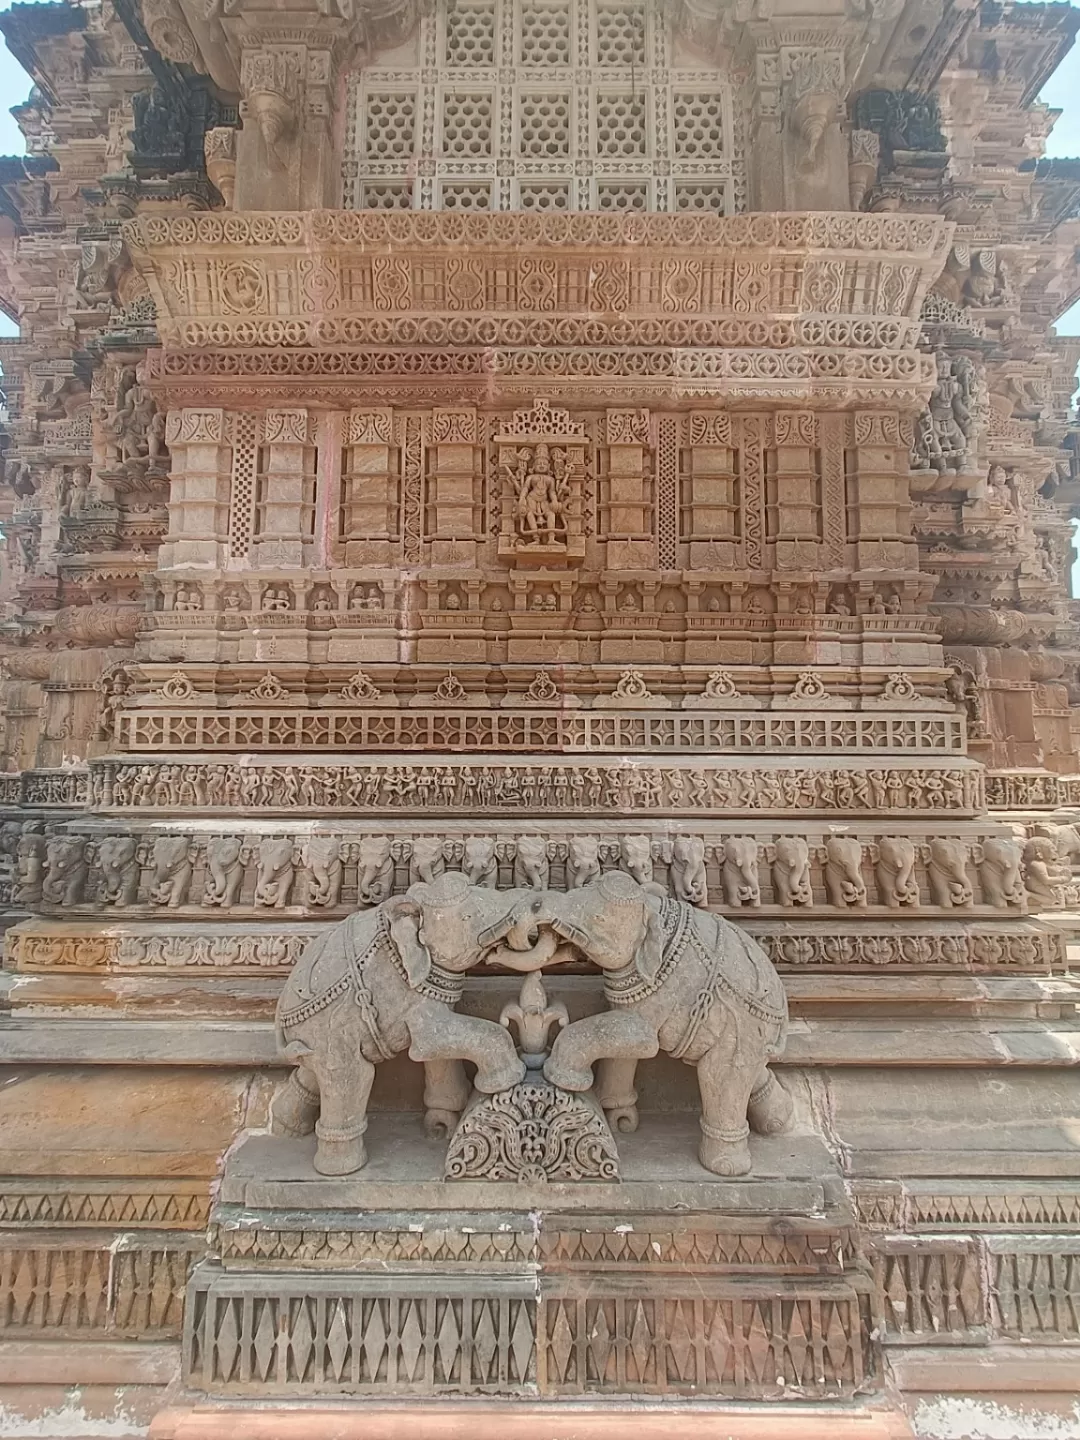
395 1282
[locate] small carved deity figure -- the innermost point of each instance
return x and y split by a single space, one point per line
80 491
877 604
322 599
838 604
232 600
277 598
540 480
187 598
629 603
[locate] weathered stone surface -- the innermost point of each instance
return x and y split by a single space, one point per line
539 452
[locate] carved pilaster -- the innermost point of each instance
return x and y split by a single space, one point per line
198 491
285 503
369 500
454 487
630 543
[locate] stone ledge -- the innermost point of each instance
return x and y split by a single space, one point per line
87 1362
523 1421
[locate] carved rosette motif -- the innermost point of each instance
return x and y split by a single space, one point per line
531 1133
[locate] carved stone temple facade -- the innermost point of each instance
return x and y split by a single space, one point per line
494 446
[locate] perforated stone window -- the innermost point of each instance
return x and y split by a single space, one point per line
470 32
466 124
540 196
543 104
620 34
390 131
707 198
465 195
697 129
544 35
386 195
620 126
544 126
611 195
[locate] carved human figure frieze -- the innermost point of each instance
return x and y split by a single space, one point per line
577 788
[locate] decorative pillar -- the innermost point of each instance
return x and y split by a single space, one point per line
369 501
198 490
630 545
712 497
798 491
881 522
285 504
454 502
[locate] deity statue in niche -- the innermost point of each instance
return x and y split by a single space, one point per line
541 469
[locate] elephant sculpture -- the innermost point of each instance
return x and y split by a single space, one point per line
481 864
582 861
375 870
844 883
999 874
739 872
29 867
173 866
791 871
946 870
895 871
531 865
275 873
322 859
687 866
427 861
226 856
118 861
676 979
635 854
66 870
384 981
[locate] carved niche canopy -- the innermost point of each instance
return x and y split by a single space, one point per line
541 469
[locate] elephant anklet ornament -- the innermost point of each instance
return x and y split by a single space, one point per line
676 979
384 981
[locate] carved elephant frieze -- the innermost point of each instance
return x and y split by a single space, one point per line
118 861
739 872
172 870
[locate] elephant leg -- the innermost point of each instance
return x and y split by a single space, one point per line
615 1034
295 1107
770 1107
446 1093
726 1077
345 1079
442 1034
616 1093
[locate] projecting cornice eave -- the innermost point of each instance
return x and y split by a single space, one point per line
821 307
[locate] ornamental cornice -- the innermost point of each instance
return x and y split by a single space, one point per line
756 304
827 379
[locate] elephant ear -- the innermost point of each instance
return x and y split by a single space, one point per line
403 916
651 950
